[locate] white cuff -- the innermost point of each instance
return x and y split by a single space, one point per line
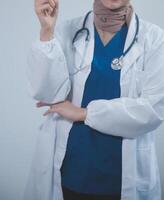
90 111
45 46
48 48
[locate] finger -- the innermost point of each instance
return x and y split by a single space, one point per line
46 13
52 14
40 2
52 3
55 9
56 3
40 104
48 112
45 7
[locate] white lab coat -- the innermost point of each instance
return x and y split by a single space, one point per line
135 116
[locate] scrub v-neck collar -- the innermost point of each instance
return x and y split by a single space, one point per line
110 42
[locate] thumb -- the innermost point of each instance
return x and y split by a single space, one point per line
48 112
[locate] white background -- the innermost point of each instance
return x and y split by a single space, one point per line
19 118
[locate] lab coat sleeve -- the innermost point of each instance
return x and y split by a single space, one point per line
130 117
47 72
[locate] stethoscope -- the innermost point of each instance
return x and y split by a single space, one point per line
117 63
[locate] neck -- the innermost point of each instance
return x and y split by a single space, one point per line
111 21
104 35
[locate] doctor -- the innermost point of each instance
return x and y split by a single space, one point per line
98 138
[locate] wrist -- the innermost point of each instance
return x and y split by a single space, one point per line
82 114
46 34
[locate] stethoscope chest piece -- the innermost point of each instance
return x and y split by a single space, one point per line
117 63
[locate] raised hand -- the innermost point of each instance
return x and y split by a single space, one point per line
47 12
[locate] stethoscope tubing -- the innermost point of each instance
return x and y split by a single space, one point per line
116 62
87 42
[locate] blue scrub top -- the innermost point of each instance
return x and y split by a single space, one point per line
93 160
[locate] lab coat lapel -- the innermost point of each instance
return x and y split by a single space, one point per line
80 43
135 51
128 60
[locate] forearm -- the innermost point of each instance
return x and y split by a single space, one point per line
125 117
47 72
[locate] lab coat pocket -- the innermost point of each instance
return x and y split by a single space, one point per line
145 169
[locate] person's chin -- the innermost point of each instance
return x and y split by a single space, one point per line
112 4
